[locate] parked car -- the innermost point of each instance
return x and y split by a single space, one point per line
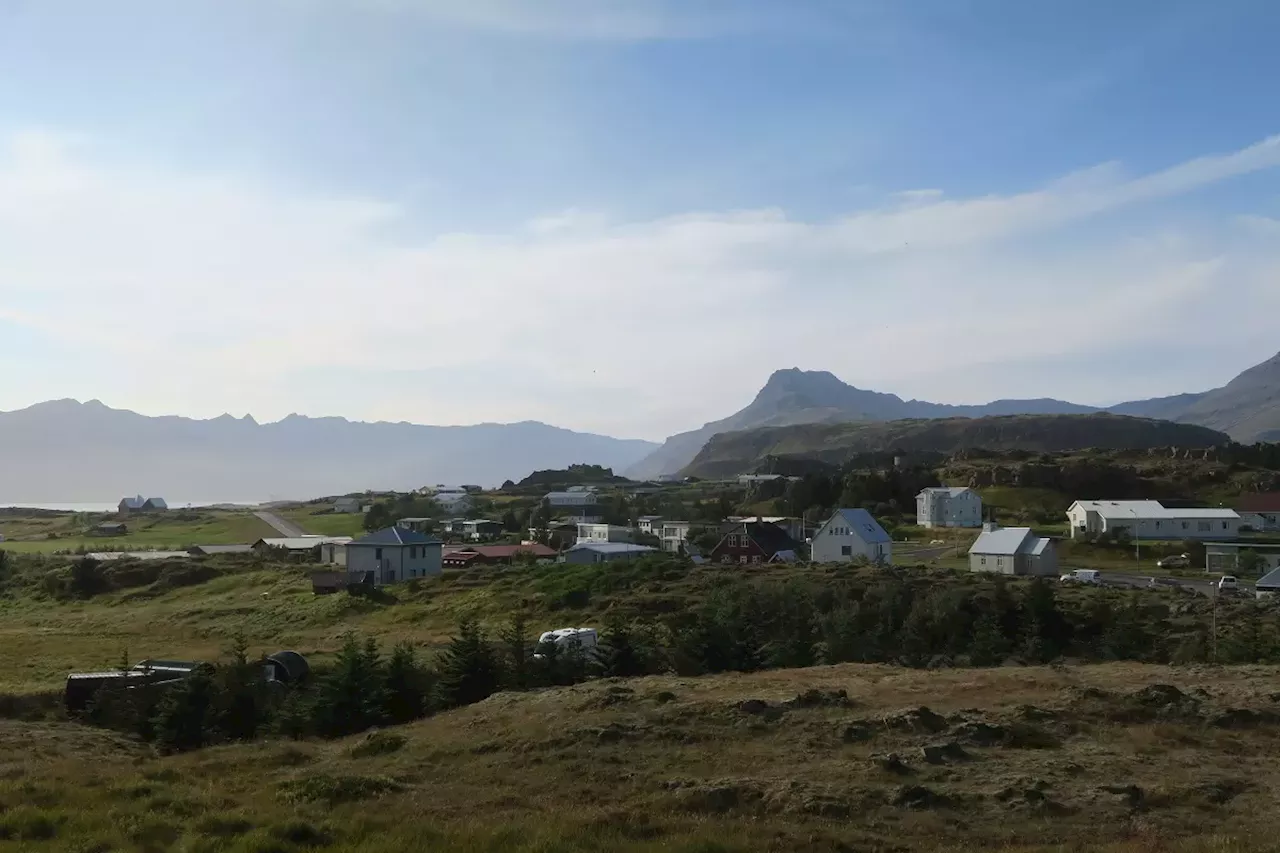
1092 576
1181 561
1228 583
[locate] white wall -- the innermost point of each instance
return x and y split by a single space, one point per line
834 542
941 509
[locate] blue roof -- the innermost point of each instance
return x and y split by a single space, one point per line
396 536
861 522
1271 580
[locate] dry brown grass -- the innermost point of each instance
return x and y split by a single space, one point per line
678 764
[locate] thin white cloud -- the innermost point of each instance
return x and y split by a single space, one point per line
231 294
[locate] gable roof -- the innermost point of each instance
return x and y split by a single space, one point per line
220 549
504 552
1120 510
1271 580
863 524
1008 541
301 543
394 536
950 491
138 502
1264 502
612 548
771 538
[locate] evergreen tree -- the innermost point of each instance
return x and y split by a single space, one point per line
241 693
617 655
1047 632
184 717
408 686
989 646
468 667
351 698
515 644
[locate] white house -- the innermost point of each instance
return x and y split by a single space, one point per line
1013 551
1152 520
673 535
453 500
948 507
606 552
604 533
570 499
651 524
394 554
851 533
346 505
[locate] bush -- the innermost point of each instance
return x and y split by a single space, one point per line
333 790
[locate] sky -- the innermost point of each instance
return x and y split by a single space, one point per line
620 216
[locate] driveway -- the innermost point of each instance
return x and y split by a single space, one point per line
282 526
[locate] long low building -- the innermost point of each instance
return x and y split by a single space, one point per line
1151 520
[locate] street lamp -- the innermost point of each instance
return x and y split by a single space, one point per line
1137 548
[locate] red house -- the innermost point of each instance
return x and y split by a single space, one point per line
489 555
753 542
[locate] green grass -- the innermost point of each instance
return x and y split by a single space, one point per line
324 522
175 530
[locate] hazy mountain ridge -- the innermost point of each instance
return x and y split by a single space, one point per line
1247 409
730 453
63 451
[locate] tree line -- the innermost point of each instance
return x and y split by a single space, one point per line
739 626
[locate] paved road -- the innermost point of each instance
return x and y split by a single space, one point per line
1203 587
282 526
923 553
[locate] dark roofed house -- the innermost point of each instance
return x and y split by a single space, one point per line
755 542
489 555
141 504
1260 511
327 583
110 528
395 554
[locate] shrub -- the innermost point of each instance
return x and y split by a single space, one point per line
336 789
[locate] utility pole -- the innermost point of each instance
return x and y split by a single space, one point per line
1213 591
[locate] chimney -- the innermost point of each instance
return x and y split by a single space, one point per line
989 526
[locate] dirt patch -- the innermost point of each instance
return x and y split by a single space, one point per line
920 797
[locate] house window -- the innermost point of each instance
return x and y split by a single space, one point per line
743 559
1185 525
984 560
756 558
1225 526
377 553
1203 526
731 540
846 550
726 559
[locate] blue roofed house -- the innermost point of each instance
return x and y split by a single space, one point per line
394 554
1013 551
849 534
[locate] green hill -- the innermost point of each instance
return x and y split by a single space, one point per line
731 453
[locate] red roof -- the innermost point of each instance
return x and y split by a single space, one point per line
1265 502
498 552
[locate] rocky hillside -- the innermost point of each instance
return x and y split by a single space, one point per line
732 453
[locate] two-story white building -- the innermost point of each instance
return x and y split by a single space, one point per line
943 506
650 524
604 533
851 533
673 535
1152 520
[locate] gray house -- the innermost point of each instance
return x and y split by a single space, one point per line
1013 551
606 552
394 554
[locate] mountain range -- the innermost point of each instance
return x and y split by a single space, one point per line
64 451
1247 409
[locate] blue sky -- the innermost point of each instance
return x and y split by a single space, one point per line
621 216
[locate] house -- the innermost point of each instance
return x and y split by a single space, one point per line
1267 585
851 533
1151 520
793 527
1224 558
606 552
334 552
141 504
110 528
327 583
604 533
479 528
1260 512
650 524
1013 551
212 550
453 500
495 555
570 498
421 525
300 547
753 542
347 505
673 535
948 507
394 554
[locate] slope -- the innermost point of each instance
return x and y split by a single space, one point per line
65 451
731 453
807 397
1247 407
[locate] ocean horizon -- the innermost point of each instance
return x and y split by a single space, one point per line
105 506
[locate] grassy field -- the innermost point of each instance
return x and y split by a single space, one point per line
1114 758
43 533
323 521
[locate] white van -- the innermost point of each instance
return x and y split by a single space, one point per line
1092 576
1227 583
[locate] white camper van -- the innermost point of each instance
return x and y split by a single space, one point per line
564 638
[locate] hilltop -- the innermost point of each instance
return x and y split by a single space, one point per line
731 453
